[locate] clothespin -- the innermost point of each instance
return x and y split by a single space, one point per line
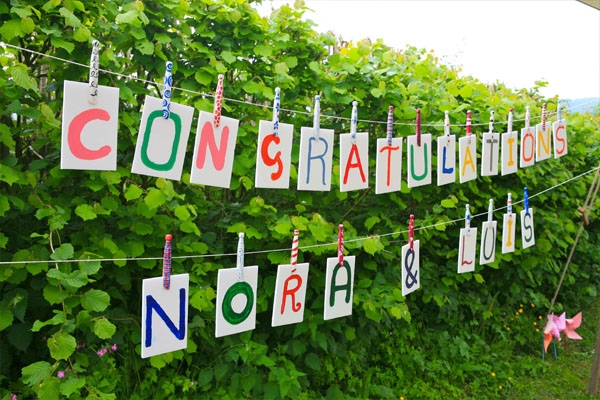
467 218
94 65
390 125
491 121
317 115
418 127
341 245
354 121
509 204
510 120
526 198
559 111
276 107
294 259
168 84
544 116
491 211
218 101
527 117
469 125
167 262
447 125
411 231
240 257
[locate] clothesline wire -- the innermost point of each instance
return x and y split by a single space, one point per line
131 77
302 247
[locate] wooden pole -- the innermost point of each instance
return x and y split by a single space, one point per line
596 366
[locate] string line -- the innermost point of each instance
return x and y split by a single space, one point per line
135 78
303 247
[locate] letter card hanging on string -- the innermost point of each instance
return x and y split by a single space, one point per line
467 148
446 159
419 161
487 248
339 287
527 231
388 170
164 315
354 161
315 161
559 129
273 156
290 294
411 276
466 250
236 301
89 130
161 143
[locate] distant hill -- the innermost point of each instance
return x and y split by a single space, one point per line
583 105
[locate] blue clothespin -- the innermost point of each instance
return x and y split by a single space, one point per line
526 202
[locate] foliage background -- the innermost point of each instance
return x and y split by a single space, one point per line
446 338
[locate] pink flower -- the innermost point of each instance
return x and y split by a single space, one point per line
102 352
13 397
114 347
390 333
61 374
192 383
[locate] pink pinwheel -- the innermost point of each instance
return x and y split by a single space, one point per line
555 325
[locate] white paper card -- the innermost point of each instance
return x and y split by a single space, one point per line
509 152
388 170
543 142
315 161
467 149
236 301
446 159
339 288
164 315
467 246
214 151
527 232
490 153
273 156
419 160
161 143
559 129
290 294
487 248
89 131
354 162
527 147
411 277
508 232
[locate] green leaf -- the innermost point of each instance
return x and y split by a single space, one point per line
447 203
128 17
20 335
11 29
95 300
313 361
281 68
104 329
371 221
34 373
70 18
27 25
21 77
155 198
68 387
53 294
466 91
182 213
61 345
6 319
82 34
263 50
86 212
228 57
133 192
158 361
68 46
50 389
205 377
145 47
350 333
479 278
64 252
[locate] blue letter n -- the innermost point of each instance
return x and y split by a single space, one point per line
153 304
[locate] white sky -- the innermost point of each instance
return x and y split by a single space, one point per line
515 42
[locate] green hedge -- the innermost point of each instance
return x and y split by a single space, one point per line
446 338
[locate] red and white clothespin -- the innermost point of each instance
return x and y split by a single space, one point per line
411 231
527 118
418 127
294 258
509 204
341 245
468 127
167 262
218 101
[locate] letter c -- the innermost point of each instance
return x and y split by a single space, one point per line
74 135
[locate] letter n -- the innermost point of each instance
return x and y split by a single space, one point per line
152 304
207 139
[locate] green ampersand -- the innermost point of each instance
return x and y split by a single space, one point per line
145 159
412 163
235 318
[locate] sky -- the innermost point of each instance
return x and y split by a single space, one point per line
515 42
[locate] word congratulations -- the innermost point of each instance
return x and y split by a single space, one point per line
89 141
